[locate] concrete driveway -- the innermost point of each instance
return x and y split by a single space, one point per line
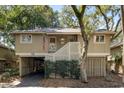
32 80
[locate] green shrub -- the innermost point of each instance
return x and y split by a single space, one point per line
12 71
62 68
5 76
49 68
74 69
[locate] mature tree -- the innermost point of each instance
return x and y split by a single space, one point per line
68 18
25 17
111 18
95 17
79 12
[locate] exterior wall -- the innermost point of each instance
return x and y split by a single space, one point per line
35 46
97 47
25 66
116 50
96 66
5 51
58 39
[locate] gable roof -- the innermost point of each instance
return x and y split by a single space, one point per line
57 31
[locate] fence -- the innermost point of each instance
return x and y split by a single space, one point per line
69 51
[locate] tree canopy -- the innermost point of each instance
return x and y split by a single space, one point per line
23 17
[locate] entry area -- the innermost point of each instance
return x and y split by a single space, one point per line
31 65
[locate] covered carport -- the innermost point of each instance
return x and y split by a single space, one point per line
28 65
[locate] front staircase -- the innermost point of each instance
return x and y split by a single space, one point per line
70 51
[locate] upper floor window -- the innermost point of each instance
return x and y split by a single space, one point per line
99 39
26 38
52 40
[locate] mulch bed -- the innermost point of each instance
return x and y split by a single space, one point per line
93 82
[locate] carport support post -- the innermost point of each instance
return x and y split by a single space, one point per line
20 67
122 18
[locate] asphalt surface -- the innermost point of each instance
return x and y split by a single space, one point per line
32 80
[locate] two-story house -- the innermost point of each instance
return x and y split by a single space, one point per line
35 46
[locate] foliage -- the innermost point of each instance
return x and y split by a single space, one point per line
49 68
74 69
22 17
63 68
118 59
5 77
106 17
67 17
12 71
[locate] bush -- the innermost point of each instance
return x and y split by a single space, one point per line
63 68
74 69
49 68
5 76
12 71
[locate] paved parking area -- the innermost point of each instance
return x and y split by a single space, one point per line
32 80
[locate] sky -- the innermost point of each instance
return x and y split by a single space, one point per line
57 7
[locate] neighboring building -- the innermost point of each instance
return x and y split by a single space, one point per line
116 51
116 48
6 55
61 44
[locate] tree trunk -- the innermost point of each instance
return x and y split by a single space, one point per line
83 63
108 72
84 59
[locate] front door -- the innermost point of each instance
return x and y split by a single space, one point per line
52 44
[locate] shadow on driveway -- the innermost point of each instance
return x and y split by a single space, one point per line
31 80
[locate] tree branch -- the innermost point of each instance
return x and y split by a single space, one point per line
105 18
116 35
117 25
76 11
83 7
112 20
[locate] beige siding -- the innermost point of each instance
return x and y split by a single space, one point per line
97 48
96 66
26 66
35 46
5 51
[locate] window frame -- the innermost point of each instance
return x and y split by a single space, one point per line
99 42
52 37
25 42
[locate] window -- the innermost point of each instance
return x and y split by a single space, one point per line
26 39
99 39
73 38
52 40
